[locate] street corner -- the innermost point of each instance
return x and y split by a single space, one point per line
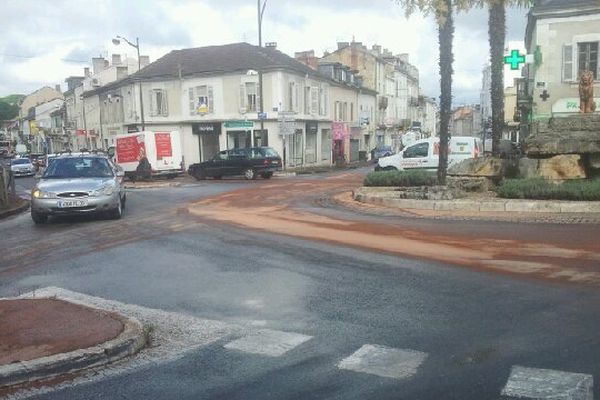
43 339
20 206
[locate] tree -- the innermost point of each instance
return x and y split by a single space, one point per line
8 111
443 11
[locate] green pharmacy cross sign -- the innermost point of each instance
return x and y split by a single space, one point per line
515 59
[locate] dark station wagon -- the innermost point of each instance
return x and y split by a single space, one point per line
249 162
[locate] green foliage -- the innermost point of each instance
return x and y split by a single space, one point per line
540 189
8 111
400 178
13 98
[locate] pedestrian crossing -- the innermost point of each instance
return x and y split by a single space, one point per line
402 364
174 335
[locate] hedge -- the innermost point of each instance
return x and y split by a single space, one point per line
540 189
401 178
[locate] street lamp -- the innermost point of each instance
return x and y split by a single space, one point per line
116 41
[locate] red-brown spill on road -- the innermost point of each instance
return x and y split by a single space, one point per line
271 207
33 328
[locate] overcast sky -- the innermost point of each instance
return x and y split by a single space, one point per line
42 42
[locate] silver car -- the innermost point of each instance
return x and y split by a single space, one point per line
83 183
22 167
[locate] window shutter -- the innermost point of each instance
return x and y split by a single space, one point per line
296 98
242 98
211 105
192 101
326 101
153 110
568 63
165 104
258 98
314 99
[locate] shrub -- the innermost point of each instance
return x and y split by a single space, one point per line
401 178
540 189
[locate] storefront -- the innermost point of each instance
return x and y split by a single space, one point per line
238 134
208 138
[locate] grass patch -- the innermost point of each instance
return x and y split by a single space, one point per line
540 189
401 178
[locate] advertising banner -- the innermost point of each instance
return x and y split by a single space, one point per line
130 149
339 130
163 145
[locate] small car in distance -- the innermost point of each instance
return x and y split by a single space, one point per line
381 151
22 167
78 184
249 162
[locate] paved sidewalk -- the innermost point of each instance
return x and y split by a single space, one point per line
43 338
20 206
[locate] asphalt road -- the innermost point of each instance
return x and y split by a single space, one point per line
441 331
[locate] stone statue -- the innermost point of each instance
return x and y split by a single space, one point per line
586 92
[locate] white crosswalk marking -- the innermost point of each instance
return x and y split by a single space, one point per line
268 342
542 384
384 361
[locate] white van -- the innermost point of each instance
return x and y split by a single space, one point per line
425 154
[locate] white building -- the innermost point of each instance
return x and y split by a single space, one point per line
212 96
564 36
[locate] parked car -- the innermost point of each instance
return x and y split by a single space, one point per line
82 183
425 154
22 167
381 151
249 162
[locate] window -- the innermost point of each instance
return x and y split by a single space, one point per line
249 97
292 97
418 150
345 112
351 111
314 100
158 103
222 155
201 100
323 99
588 58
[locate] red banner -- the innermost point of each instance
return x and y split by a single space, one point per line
80 132
130 149
163 145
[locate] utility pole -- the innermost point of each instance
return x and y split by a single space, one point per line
260 10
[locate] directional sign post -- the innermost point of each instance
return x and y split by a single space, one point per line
515 60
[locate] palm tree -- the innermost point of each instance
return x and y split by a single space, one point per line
442 9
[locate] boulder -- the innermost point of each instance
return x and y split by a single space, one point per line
576 134
567 166
487 167
528 168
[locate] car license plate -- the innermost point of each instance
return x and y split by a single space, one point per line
72 203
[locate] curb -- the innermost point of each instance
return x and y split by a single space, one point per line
16 210
153 185
284 174
130 341
522 206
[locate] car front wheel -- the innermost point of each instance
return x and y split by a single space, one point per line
39 218
199 175
249 174
117 213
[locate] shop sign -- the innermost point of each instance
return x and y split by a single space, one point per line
239 124
570 105
211 127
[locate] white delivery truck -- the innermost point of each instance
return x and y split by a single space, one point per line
425 154
162 149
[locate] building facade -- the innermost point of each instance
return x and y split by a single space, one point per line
564 37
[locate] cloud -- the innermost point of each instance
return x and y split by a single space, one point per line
75 31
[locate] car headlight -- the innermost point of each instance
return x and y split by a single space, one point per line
103 191
40 194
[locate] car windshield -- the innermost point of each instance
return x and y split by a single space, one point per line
20 161
78 167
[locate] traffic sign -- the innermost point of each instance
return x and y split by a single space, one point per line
262 115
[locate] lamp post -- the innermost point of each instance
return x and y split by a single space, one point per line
116 41
261 11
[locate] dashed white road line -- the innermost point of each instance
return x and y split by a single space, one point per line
546 384
268 342
384 361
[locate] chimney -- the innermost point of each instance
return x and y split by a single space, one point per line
271 45
144 60
86 72
341 45
116 59
98 64
307 58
